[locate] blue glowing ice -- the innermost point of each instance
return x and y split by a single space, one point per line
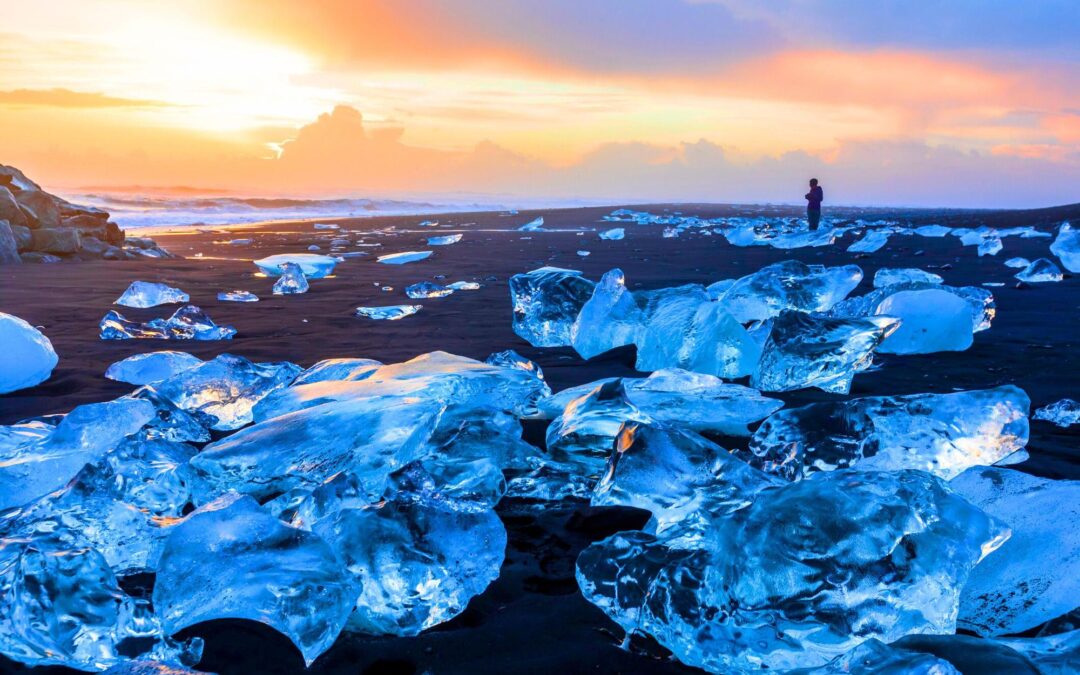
27 357
144 294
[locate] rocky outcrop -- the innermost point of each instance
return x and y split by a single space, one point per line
36 226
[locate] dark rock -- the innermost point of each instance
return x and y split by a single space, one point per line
113 234
35 257
16 179
9 249
84 224
114 253
69 210
145 243
23 238
56 240
9 208
40 207
93 246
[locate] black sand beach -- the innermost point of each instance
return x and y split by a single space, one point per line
532 619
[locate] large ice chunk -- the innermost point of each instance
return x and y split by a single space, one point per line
940 433
292 280
807 351
546 303
980 300
789 285
187 323
27 357
613 234
887 276
611 318
151 367
1063 413
338 369
1035 576
231 559
416 566
534 225
150 294
445 240
803 573
874 657
313 266
226 388
931 321
1067 247
1040 271
872 241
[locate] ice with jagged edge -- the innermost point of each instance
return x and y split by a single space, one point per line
169 422
187 323
415 566
943 434
388 312
546 302
611 318
427 289
143 667
807 351
872 241
990 246
291 281
1063 413
226 388
1035 576
445 240
345 369
151 367
27 358
614 234
144 294
1017 263
232 559
874 657
886 554
980 300
1067 247
63 606
237 296
534 225
313 266
887 276
1051 654
788 285
1040 271
37 460
404 257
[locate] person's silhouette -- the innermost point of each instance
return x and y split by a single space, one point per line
813 204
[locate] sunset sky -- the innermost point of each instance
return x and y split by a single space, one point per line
966 102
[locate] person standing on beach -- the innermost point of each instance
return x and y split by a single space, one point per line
813 204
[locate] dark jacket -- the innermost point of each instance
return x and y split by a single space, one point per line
813 198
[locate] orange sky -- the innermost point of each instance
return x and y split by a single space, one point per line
679 98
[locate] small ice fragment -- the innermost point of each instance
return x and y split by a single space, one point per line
292 280
314 247
1067 247
445 240
1063 413
464 286
389 313
873 241
888 276
614 234
313 265
1018 263
237 296
187 323
404 257
327 226
1040 271
427 289
27 357
429 223
584 254
151 367
241 242
990 246
933 231
144 294
532 225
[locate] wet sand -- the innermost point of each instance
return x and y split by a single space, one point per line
532 619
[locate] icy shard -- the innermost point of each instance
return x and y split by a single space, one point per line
404 257
806 351
1063 413
801 573
313 266
788 285
231 559
27 357
187 323
226 388
611 318
990 246
1067 247
940 433
151 367
1040 271
699 401
237 296
150 294
292 280
415 566
613 234
1018 263
444 240
931 321
1035 576
533 225
427 289
546 303
338 369
887 276
874 657
872 241
388 312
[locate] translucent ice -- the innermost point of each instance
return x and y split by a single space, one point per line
416 566
887 276
1040 271
940 433
404 257
933 231
444 240
874 657
231 559
1018 263
151 367
226 388
698 401
990 246
980 300
871 242
1035 576
788 285
237 296
802 573
546 303
187 323
464 286
824 236
313 266
427 289
338 369
1063 413
611 318
327 226
931 321
613 234
292 280
140 667
1067 247
27 357
388 312
150 294
807 351
533 225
